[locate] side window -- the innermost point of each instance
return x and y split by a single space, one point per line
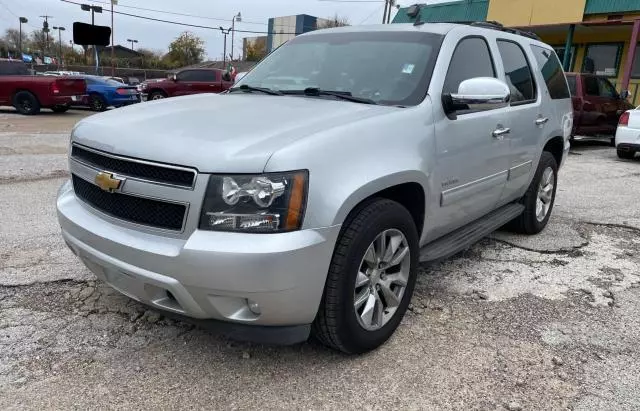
206 75
591 87
470 59
517 72
606 88
188 75
551 72
571 80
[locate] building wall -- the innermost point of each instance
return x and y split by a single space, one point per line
283 29
535 12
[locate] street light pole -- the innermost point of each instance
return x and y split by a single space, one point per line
113 64
93 10
132 41
60 30
22 20
238 18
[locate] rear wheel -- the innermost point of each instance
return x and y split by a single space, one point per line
370 280
26 103
59 109
539 198
626 154
157 95
97 103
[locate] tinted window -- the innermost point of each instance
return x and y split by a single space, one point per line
470 59
591 87
517 72
602 59
9 68
207 75
390 68
552 72
606 88
189 75
571 80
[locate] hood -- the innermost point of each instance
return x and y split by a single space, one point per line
234 133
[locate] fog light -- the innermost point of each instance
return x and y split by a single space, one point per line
254 307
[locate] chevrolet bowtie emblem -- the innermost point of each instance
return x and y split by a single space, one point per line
108 182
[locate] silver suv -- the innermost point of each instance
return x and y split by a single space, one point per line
303 200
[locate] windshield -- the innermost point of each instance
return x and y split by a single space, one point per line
392 68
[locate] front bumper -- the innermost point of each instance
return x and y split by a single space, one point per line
209 275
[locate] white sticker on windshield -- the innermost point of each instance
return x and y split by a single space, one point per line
408 68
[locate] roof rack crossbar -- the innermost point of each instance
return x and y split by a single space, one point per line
494 25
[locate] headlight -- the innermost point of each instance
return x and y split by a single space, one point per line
267 203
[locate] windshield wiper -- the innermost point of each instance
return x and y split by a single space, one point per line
247 88
343 95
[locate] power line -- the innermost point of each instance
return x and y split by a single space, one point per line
187 24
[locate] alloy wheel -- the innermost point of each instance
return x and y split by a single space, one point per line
545 194
382 279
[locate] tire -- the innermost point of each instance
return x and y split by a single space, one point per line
97 103
60 109
157 95
342 325
530 221
626 155
26 103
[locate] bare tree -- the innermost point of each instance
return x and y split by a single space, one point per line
335 21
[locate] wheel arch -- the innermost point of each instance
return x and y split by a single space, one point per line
555 146
157 90
16 91
406 188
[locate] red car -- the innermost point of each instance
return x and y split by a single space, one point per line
188 81
28 93
597 106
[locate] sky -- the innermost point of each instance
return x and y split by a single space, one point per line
157 36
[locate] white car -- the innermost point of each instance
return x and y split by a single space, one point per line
628 134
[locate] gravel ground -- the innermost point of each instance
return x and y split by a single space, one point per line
544 322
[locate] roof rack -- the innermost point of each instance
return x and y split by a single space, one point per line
494 25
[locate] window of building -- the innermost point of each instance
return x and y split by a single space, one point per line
572 55
517 72
602 59
552 72
571 80
470 59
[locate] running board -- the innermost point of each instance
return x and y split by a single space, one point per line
470 234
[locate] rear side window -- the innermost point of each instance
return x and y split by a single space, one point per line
470 59
207 75
552 72
571 80
11 68
591 87
517 72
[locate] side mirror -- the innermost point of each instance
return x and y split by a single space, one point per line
624 94
480 93
174 77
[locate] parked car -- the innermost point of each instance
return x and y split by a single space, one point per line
597 106
628 134
185 82
239 76
105 92
29 93
276 213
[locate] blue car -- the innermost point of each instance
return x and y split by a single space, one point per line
103 93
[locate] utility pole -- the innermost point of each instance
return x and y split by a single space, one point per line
224 56
45 28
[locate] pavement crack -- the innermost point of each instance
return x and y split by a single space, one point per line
566 251
613 225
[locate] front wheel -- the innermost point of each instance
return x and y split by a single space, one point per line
157 95
539 198
626 155
371 278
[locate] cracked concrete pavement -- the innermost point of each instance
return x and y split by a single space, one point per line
544 322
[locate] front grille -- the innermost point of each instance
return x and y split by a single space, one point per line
134 209
133 168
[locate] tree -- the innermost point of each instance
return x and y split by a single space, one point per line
12 39
185 50
256 49
335 21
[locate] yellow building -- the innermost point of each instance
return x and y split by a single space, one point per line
601 35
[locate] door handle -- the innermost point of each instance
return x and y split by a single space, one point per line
541 121
499 133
